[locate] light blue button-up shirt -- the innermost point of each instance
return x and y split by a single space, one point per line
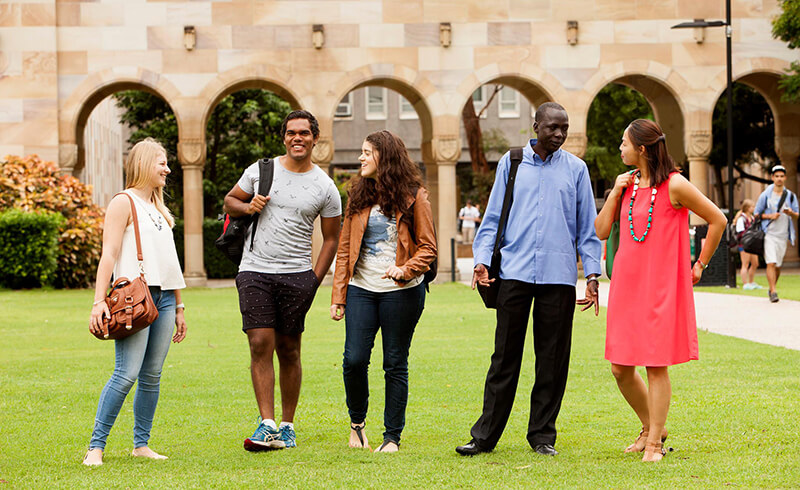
552 215
763 207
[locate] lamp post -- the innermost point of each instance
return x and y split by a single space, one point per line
700 23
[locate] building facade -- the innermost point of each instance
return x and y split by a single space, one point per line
61 58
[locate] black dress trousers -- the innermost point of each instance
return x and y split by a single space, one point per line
553 310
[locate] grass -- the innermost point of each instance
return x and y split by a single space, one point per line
733 419
788 287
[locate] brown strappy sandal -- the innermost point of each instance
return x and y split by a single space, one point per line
643 434
654 452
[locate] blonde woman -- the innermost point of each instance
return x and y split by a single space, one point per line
140 356
743 219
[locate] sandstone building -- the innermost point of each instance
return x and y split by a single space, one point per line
60 58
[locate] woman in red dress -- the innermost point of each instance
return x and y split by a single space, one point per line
651 316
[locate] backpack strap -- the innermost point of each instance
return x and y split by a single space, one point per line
508 198
266 172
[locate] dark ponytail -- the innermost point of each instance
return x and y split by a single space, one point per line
643 132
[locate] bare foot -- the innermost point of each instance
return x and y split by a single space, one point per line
146 452
94 457
388 447
355 441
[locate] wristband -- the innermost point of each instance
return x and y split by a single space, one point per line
179 306
704 266
98 302
593 279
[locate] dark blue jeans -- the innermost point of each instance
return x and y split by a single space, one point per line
395 314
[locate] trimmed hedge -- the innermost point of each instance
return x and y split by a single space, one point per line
217 265
28 247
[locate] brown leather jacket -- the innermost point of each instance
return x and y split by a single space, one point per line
413 258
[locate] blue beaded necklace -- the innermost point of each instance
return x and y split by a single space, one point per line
649 211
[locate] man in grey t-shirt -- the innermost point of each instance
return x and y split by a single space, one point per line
276 281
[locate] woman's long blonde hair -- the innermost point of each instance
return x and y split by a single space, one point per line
747 203
138 166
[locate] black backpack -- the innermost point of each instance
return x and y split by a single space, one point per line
234 230
433 267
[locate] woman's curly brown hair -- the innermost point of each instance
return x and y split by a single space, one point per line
398 177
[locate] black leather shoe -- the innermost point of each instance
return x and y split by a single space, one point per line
470 449
546 449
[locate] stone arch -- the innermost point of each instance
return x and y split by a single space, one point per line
78 106
420 92
660 85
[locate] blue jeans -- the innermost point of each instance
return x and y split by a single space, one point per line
141 357
395 314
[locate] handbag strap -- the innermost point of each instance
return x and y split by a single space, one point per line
266 172
516 159
135 219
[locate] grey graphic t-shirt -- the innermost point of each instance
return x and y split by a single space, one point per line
378 252
283 238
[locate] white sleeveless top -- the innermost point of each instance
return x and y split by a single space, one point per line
161 265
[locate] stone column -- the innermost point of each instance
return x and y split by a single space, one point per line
446 151
788 150
322 156
576 144
699 149
192 157
67 157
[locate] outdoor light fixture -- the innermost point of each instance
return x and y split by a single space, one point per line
572 32
318 36
189 37
700 25
445 34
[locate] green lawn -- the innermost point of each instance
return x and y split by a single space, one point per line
788 287
733 419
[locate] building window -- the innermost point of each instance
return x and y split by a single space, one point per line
509 103
479 99
406 109
376 103
345 108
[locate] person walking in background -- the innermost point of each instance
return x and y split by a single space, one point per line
651 316
276 282
552 216
742 221
470 216
140 356
388 242
777 205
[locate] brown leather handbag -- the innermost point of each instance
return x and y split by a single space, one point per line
129 301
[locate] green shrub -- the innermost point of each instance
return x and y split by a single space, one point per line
28 247
31 184
217 265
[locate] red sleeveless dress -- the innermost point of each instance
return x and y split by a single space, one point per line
651 317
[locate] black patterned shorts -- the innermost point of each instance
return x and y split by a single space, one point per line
278 301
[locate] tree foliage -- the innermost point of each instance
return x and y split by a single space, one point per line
243 127
614 107
33 185
786 27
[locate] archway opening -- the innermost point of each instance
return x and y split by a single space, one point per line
612 109
753 145
373 106
110 122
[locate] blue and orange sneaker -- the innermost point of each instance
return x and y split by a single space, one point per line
265 438
288 436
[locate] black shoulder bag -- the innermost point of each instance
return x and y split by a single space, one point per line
234 230
489 293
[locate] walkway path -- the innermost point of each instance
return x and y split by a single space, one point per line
745 317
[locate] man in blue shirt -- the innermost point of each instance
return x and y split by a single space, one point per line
552 215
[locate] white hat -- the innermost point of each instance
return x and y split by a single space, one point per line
778 168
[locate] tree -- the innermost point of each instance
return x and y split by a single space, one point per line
786 27
614 107
472 130
753 136
243 127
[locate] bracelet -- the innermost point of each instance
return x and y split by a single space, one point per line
98 302
593 279
180 305
704 266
